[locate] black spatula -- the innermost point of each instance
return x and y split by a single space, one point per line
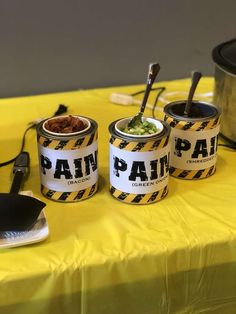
19 212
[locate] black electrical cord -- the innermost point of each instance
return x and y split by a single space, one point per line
161 90
61 109
228 146
229 143
142 91
5 163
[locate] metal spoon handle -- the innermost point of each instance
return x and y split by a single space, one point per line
154 69
195 79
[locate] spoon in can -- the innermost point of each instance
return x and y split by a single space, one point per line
154 69
195 79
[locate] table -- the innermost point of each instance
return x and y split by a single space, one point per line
104 256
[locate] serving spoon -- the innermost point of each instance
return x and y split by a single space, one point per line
154 69
195 79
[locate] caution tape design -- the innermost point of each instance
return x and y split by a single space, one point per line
192 126
139 146
192 174
68 144
139 198
69 196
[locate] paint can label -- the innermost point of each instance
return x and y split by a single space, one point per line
68 170
139 172
193 150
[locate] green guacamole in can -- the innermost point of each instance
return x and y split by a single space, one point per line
143 128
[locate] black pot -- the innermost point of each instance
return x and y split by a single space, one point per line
224 56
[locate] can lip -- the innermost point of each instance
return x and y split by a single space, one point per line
224 56
211 110
123 123
85 121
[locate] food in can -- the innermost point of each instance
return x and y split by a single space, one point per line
66 124
142 128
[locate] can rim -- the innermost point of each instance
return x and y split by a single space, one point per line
222 60
165 132
122 122
169 112
85 120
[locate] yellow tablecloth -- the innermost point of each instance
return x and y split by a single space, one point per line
103 256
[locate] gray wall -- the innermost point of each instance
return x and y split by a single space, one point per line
57 45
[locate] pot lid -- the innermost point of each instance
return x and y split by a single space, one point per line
224 55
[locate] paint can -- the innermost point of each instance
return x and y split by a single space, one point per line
139 164
68 161
193 139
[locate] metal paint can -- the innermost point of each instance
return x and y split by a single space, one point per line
193 139
68 162
139 165
224 56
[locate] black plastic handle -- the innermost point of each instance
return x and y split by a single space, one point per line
20 170
154 69
195 80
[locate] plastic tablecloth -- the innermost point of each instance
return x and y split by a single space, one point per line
103 256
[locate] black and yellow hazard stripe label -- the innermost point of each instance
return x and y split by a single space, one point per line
139 198
132 146
192 174
65 144
192 126
69 196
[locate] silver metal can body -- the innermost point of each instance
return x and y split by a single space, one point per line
225 99
139 166
68 164
193 139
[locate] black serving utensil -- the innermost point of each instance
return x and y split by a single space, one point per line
195 79
20 171
154 69
19 212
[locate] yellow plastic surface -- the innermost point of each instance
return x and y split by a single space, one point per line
104 256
